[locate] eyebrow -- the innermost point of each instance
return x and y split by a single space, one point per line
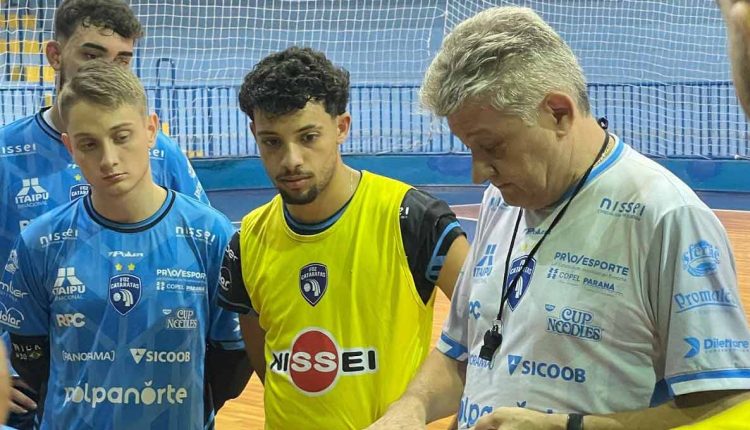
114 128
103 49
299 130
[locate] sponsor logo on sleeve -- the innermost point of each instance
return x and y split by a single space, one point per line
701 259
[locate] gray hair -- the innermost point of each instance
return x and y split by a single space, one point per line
506 56
103 83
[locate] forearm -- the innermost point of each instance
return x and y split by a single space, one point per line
435 392
686 410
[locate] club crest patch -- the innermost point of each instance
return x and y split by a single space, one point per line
124 292
313 282
522 285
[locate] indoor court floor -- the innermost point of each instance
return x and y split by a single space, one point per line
246 412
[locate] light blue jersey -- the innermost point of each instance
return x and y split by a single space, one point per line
38 174
128 309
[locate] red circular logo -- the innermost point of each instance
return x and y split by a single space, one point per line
314 362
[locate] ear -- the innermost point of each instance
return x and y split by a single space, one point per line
152 128
53 52
343 124
68 144
561 111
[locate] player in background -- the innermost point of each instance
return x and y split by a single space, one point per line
338 271
36 172
111 299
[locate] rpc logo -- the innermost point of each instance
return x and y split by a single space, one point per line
76 320
315 361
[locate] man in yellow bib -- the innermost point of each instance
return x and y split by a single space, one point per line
337 274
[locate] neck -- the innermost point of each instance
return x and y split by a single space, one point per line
56 119
134 206
339 190
585 144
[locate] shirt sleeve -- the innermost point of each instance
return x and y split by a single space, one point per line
224 325
700 321
428 229
24 305
178 173
233 294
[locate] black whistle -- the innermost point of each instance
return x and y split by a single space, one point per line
492 340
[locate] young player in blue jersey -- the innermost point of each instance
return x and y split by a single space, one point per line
36 172
111 299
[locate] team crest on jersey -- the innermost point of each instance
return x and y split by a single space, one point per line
522 285
78 190
313 282
124 292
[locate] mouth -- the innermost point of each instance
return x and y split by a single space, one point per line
114 177
295 181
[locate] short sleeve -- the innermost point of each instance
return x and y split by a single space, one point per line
700 320
232 292
224 328
24 305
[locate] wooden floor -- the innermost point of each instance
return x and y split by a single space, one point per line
246 412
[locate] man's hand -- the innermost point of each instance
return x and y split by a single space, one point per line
401 415
20 403
521 419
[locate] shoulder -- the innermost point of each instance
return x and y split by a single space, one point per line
191 209
58 224
641 181
16 131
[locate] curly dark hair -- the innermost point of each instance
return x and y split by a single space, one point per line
285 81
114 15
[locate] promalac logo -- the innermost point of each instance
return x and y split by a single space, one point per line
618 208
704 298
701 259
574 322
149 356
12 150
196 233
76 357
58 236
31 193
67 285
714 344
147 395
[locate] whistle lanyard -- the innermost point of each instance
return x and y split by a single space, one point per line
493 337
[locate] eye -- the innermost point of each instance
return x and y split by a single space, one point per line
271 142
122 137
90 56
86 145
310 137
123 61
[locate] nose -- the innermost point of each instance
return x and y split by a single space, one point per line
292 158
481 170
109 158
